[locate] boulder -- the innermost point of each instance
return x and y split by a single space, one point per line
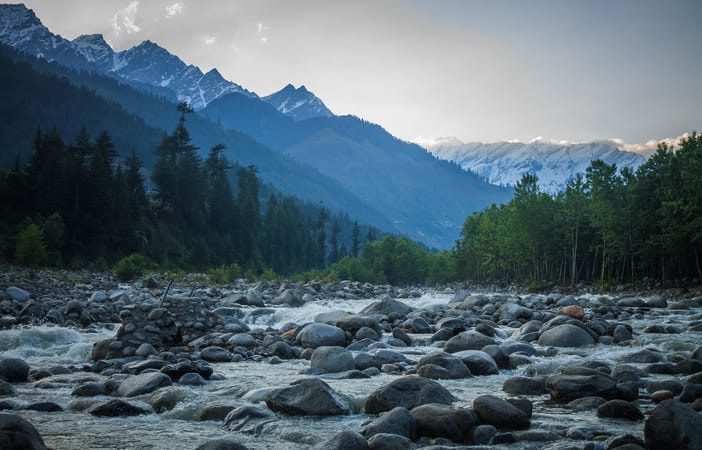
574 311
387 441
525 386
17 294
398 421
332 359
468 340
167 398
222 444
116 408
6 388
192 379
408 392
143 384
215 354
17 433
673 425
478 362
438 420
499 413
308 397
320 334
14 370
566 335
176 371
387 307
346 440
289 297
619 409
248 419
455 368
571 387
215 412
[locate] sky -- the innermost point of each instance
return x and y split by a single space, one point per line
479 70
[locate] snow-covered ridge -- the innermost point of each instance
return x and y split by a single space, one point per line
554 162
298 103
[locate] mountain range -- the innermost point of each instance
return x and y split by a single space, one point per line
504 163
293 139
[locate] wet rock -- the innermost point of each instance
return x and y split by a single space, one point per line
407 392
388 307
143 384
500 413
624 372
215 412
438 420
478 362
586 403
332 359
468 340
90 389
308 396
644 356
660 396
386 441
397 421
525 386
346 440
248 419
571 387
574 311
290 297
215 354
167 398
319 335
566 335
624 442
13 370
116 408
222 444
673 386
400 334
621 333
691 392
483 434
176 371
6 388
145 350
620 409
454 367
366 333
17 433
17 294
192 379
673 425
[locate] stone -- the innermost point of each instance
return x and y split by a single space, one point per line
90 389
455 368
17 294
468 340
98 297
571 387
216 354
215 412
366 333
438 420
386 441
478 362
290 297
167 398
586 403
619 409
320 334
525 386
17 433
673 425
483 434
116 408
399 333
566 335
308 397
499 413
6 388
13 370
175 371
346 440
248 419
408 392
222 444
387 307
145 350
332 359
143 384
660 396
433 372
574 311
192 379
242 340
44 407
690 393
398 421
621 333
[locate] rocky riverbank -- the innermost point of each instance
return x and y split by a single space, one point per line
458 369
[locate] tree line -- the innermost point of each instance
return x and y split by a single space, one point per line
79 205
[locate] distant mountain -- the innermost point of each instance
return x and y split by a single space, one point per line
504 163
298 103
146 66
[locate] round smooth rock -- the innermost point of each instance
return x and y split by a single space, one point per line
407 392
18 433
332 359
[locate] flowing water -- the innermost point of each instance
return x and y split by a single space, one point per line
44 346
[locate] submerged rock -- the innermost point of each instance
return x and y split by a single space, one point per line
407 392
17 433
308 397
499 413
673 425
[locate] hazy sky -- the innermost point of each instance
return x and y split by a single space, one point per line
484 70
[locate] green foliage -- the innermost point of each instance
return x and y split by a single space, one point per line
130 267
31 249
225 274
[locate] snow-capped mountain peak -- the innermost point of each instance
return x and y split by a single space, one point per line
94 48
298 103
553 161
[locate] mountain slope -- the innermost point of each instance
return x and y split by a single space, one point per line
298 103
504 163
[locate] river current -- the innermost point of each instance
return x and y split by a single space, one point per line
244 382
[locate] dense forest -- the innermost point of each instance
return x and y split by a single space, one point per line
80 205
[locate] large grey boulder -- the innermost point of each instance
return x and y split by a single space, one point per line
388 307
308 397
13 370
566 335
468 340
346 440
499 413
17 433
455 368
332 359
525 386
17 294
248 419
143 384
216 354
673 425
407 392
116 408
320 334
570 387
398 421
437 420
478 362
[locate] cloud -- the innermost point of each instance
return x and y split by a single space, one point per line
125 19
174 9
209 40
262 31
649 147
